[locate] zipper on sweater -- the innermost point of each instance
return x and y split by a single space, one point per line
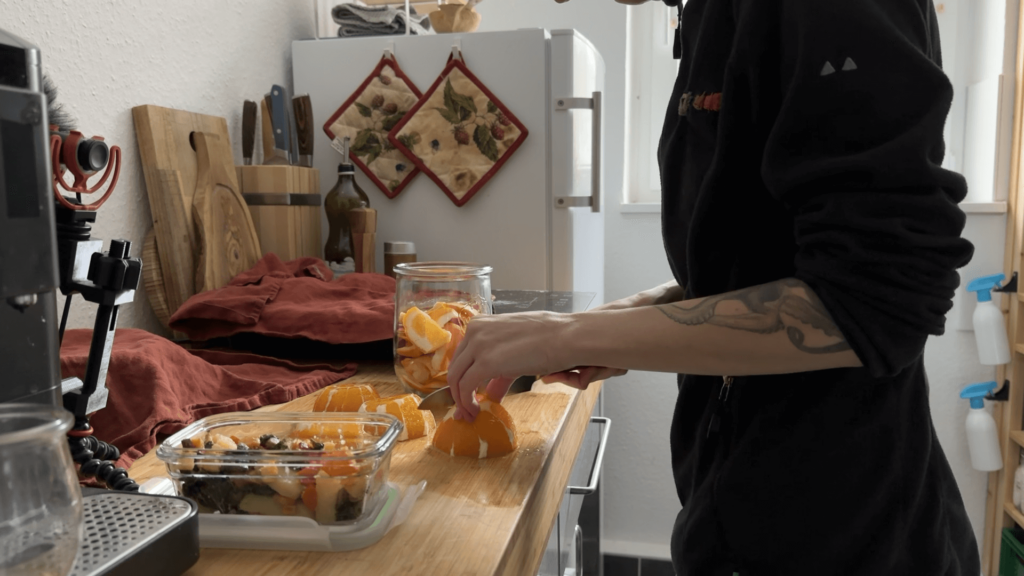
723 397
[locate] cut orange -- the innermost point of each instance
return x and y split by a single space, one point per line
406 408
344 397
423 332
443 313
492 434
327 432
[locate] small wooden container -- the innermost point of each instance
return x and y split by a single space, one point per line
285 205
396 253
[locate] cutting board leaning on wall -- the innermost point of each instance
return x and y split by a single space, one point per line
193 253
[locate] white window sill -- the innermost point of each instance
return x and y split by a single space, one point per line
640 208
967 207
983 207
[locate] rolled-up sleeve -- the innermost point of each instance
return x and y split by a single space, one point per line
855 157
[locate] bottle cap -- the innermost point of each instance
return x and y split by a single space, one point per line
399 248
984 286
346 168
977 392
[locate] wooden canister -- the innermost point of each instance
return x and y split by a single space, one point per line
396 253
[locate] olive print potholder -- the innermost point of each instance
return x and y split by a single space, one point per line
459 134
365 118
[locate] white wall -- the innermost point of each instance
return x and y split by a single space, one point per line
107 57
640 502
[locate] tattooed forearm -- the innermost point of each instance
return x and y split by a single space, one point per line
787 305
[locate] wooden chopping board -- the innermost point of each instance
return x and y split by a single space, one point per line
226 236
170 167
476 517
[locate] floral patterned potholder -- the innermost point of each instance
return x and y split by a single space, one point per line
375 108
459 133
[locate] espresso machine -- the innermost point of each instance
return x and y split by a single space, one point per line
45 246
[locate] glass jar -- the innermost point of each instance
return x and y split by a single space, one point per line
434 302
40 501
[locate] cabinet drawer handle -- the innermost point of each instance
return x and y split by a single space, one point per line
595 472
579 551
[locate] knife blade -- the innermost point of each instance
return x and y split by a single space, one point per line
248 131
304 129
440 401
267 129
279 114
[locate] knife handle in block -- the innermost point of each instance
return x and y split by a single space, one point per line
304 129
248 131
267 129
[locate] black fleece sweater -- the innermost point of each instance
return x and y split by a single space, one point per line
804 140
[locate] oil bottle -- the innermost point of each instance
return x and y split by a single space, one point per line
341 200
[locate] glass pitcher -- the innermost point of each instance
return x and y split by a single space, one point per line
40 501
434 302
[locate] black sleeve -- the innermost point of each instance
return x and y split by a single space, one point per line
855 156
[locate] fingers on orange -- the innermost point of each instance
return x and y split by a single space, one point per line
344 397
405 407
491 435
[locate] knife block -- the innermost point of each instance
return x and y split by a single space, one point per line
285 205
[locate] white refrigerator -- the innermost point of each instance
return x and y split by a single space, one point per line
539 222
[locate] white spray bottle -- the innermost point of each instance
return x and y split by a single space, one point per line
989 328
982 440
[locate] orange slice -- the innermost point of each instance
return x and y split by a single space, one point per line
443 313
492 434
326 432
406 407
423 332
344 397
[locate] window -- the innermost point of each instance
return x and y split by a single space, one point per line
651 75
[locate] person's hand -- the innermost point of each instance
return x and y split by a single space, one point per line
499 349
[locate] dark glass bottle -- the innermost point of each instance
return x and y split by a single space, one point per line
344 197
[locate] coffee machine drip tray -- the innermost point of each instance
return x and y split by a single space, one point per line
134 533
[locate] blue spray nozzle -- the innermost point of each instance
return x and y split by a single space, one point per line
985 285
977 392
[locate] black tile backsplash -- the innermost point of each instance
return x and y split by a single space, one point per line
650 567
621 566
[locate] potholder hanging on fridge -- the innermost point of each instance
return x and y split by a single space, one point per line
367 116
459 133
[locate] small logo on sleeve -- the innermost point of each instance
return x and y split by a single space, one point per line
707 102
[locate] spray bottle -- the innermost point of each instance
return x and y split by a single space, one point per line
981 429
989 329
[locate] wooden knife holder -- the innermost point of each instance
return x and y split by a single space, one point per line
285 205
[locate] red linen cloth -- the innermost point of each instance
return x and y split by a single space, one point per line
157 387
296 299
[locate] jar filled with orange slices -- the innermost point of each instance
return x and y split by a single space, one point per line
434 302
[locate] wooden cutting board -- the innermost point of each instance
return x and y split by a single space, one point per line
170 167
225 232
153 279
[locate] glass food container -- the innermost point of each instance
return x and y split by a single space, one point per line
330 467
40 501
434 302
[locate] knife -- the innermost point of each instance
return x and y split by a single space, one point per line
248 131
267 130
304 129
279 114
440 401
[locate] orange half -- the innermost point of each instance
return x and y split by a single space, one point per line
491 435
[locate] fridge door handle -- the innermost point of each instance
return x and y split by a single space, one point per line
593 104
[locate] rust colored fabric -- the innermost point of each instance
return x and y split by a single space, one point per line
296 299
157 387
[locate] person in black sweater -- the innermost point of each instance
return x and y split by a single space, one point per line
814 239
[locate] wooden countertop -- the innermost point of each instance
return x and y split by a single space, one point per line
475 517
